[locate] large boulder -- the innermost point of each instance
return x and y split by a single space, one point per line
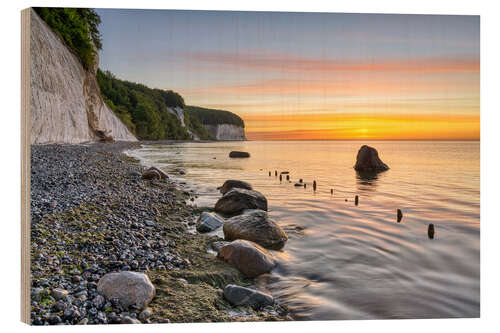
239 199
151 174
248 257
162 174
237 295
130 288
208 222
367 160
254 225
239 154
230 184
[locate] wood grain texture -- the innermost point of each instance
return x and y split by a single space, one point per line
25 166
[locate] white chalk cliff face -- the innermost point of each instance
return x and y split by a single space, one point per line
227 132
65 103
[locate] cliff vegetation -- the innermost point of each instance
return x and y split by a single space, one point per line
78 27
214 117
145 110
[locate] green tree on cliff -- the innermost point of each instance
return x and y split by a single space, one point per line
78 27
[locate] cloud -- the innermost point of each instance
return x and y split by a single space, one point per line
290 63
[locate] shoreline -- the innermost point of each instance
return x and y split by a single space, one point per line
93 214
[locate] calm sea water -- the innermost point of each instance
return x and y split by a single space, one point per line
357 262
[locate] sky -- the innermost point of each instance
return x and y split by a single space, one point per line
308 76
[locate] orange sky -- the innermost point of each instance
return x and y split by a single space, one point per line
429 99
309 75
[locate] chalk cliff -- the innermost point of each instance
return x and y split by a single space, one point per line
228 132
65 103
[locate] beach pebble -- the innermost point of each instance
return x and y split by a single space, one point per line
130 288
208 222
237 296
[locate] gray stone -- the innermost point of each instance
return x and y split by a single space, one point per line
216 246
208 222
130 320
145 314
162 174
232 183
151 174
98 301
237 295
238 199
129 288
59 293
254 225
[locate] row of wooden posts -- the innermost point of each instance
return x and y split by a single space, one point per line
399 213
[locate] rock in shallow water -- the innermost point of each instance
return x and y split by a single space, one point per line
237 295
162 174
208 222
239 154
367 160
232 183
151 174
254 225
248 257
130 288
238 199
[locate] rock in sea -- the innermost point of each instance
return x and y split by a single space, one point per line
208 222
237 295
163 175
231 183
130 288
239 154
254 225
238 199
151 174
367 160
249 258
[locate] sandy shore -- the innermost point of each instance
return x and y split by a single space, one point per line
93 214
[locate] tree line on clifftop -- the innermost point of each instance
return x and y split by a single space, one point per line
144 110
78 27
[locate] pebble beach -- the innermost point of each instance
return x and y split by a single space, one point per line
92 214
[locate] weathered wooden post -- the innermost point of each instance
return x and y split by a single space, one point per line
356 200
269 173
430 231
314 186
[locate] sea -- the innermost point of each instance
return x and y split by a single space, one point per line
344 261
